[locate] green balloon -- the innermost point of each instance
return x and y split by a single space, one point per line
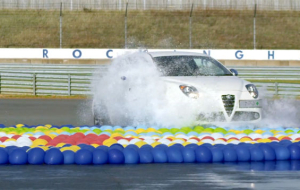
289 131
163 130
210 130
97 131
174 130
65 129
220 130
248 131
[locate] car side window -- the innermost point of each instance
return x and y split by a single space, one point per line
206 66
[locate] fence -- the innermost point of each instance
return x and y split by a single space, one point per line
76 79
151 4
191 28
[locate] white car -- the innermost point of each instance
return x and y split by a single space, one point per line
193 84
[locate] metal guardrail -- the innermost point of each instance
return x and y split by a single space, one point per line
57 79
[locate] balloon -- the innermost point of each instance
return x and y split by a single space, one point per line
3 156
131 156
100 156
243 153
115 156
174 155
36 156
230 154
282 152
83 157
159 155
203 154
294 151
145 156
18 157
269 153
53 156
257 154
69 157
217 154
188 155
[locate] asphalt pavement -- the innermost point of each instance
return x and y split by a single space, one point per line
45 111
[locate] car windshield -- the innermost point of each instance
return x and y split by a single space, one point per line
190 66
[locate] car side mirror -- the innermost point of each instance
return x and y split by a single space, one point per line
234 72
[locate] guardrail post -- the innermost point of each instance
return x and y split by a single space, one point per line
69 85
276 88
34 84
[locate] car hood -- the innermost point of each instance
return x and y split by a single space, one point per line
212 83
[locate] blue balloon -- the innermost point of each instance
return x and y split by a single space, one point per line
178 145
18 157
163 146
36 156
159 155
100 157
294 151
53 156
116 146
82 145
103 147
269 152
243 153
282 152
147 146
145 156
131 156
174 154
188 155
285 142
217 154
25 148
193 146
230 154
133 146
3 156
9 149
203 154
90 148
83 157
69 157
115 156
257 154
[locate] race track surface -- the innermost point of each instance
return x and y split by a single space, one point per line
45 111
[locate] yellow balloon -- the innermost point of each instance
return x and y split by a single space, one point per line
140 143
60 144
155 144
39 142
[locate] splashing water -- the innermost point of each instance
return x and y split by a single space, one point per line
133 93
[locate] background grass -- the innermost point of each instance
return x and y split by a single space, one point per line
151 29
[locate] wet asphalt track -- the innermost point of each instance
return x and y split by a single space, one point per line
274 175
45 111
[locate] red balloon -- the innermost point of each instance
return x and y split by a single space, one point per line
208 137
16 137
45 137
32 138
2 139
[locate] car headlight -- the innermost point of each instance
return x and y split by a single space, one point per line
189 91
252 90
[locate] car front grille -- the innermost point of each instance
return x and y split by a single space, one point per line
228 101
